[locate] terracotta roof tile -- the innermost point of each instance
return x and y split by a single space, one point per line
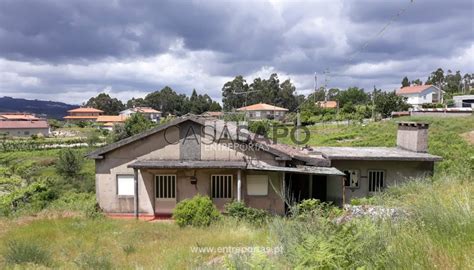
85 110
9 124
413 89
18 116
90 117
111 118
262 107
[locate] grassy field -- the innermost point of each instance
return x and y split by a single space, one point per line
439 233
103 243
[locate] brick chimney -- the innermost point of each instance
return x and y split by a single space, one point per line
413 136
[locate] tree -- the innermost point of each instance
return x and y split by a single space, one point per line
453 82
416 82
234 93
69 163
318 95
168 101
436 78
110 106
135 124
237 93
388 102
405 82
355 95
215 107
136 102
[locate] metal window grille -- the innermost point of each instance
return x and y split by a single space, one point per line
376 181
165 186
221 186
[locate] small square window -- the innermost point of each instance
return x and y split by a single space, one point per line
352 178
221 186
376 180
125 185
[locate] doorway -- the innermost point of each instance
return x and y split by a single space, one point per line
305 186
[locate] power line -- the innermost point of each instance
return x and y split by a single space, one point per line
384 28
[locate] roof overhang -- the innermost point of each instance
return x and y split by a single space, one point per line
187 164
299 169
224 164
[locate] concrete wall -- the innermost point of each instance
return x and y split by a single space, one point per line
396 172
168 146
24 132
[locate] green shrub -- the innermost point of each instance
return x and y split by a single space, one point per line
31 198
239 211
198 211
20 252
70 163
81 202
363 201
314 207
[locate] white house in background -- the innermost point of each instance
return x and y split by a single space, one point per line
421 94
148 112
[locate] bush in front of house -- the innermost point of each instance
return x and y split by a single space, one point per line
314 207
240 211
198 212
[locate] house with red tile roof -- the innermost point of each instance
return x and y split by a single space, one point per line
109 121
24 128
17 116
83 114
263 111
421 94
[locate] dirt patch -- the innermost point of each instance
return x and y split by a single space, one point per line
469 137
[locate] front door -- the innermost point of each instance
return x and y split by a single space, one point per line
165 193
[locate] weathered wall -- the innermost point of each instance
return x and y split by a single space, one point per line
116 162
20 132
161 146
395 172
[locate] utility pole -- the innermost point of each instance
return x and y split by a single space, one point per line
326 72
315 87
373 104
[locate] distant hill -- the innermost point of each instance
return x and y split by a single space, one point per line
50 109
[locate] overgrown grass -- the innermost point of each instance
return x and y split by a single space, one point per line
86 243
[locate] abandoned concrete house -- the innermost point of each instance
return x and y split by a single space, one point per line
147 174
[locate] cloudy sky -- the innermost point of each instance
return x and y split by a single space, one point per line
71 50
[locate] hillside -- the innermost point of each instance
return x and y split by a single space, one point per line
50 109
437 234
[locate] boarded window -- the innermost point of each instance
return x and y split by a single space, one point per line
165 185
125 185
352 178
376 180
257 185
221 186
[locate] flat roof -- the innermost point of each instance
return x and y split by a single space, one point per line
374 153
